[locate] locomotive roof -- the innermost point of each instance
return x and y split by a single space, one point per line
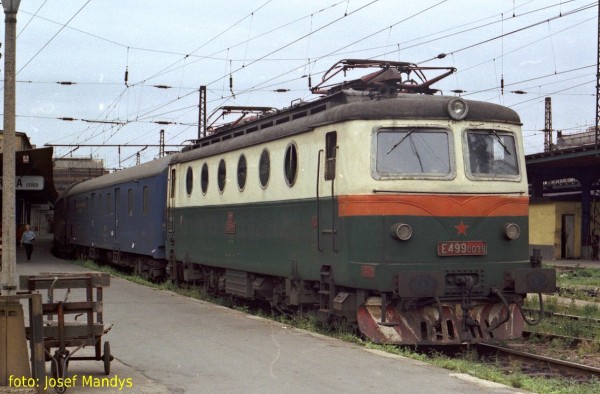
340 107
141 171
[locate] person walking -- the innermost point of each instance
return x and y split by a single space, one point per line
27 240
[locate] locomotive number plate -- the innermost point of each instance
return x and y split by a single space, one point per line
462 248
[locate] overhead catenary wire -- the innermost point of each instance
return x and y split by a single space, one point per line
311 14
144 114
52 38
478 43
32 17
379 31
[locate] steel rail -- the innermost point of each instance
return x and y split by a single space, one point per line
566 316
570 368
572 340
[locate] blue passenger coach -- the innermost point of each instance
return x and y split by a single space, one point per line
120 217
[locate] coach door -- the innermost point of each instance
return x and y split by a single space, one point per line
326 202
116 216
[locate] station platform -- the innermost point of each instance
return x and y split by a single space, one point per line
167 343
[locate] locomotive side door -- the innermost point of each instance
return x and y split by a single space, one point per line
172 266
326 201
170 205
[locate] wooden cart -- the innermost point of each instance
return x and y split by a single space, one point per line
65 335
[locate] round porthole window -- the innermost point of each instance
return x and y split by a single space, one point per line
189 181
242 170
221 176
204 178
264 168
291 164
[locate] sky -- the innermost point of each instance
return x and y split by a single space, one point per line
125 69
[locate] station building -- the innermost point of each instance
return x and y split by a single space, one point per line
35 192
70 170
564 208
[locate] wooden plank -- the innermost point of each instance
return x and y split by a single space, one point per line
64 280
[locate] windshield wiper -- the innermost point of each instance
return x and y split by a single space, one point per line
401 141
500 142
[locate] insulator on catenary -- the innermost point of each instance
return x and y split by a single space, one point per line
231 85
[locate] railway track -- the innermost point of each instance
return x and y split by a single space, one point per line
564 316
539 365
566 339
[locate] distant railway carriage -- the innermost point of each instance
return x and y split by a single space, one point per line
380 203
120 217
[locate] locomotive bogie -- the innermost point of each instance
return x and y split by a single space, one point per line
441 324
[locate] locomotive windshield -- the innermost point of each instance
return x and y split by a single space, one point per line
413 151
491 154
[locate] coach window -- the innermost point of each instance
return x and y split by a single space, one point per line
204 178
117 208
264 168
130 202
108 204
221 175
92 206
189 181
145 201
291 164
242 171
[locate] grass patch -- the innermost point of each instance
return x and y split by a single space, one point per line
579 283
184 290
557 304
579 277
564 326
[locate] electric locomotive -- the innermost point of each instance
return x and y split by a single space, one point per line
381 203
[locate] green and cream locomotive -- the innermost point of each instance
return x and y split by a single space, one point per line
380 203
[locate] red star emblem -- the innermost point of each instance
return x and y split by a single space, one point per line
461 228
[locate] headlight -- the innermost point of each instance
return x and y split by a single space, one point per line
512 231
457 108
401 231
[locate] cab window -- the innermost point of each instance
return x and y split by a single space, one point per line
491 154
412 152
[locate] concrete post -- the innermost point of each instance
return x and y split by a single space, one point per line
13 352
9 233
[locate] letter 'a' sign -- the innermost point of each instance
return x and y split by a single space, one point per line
27 182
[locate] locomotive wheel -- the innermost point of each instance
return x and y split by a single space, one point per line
106 358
